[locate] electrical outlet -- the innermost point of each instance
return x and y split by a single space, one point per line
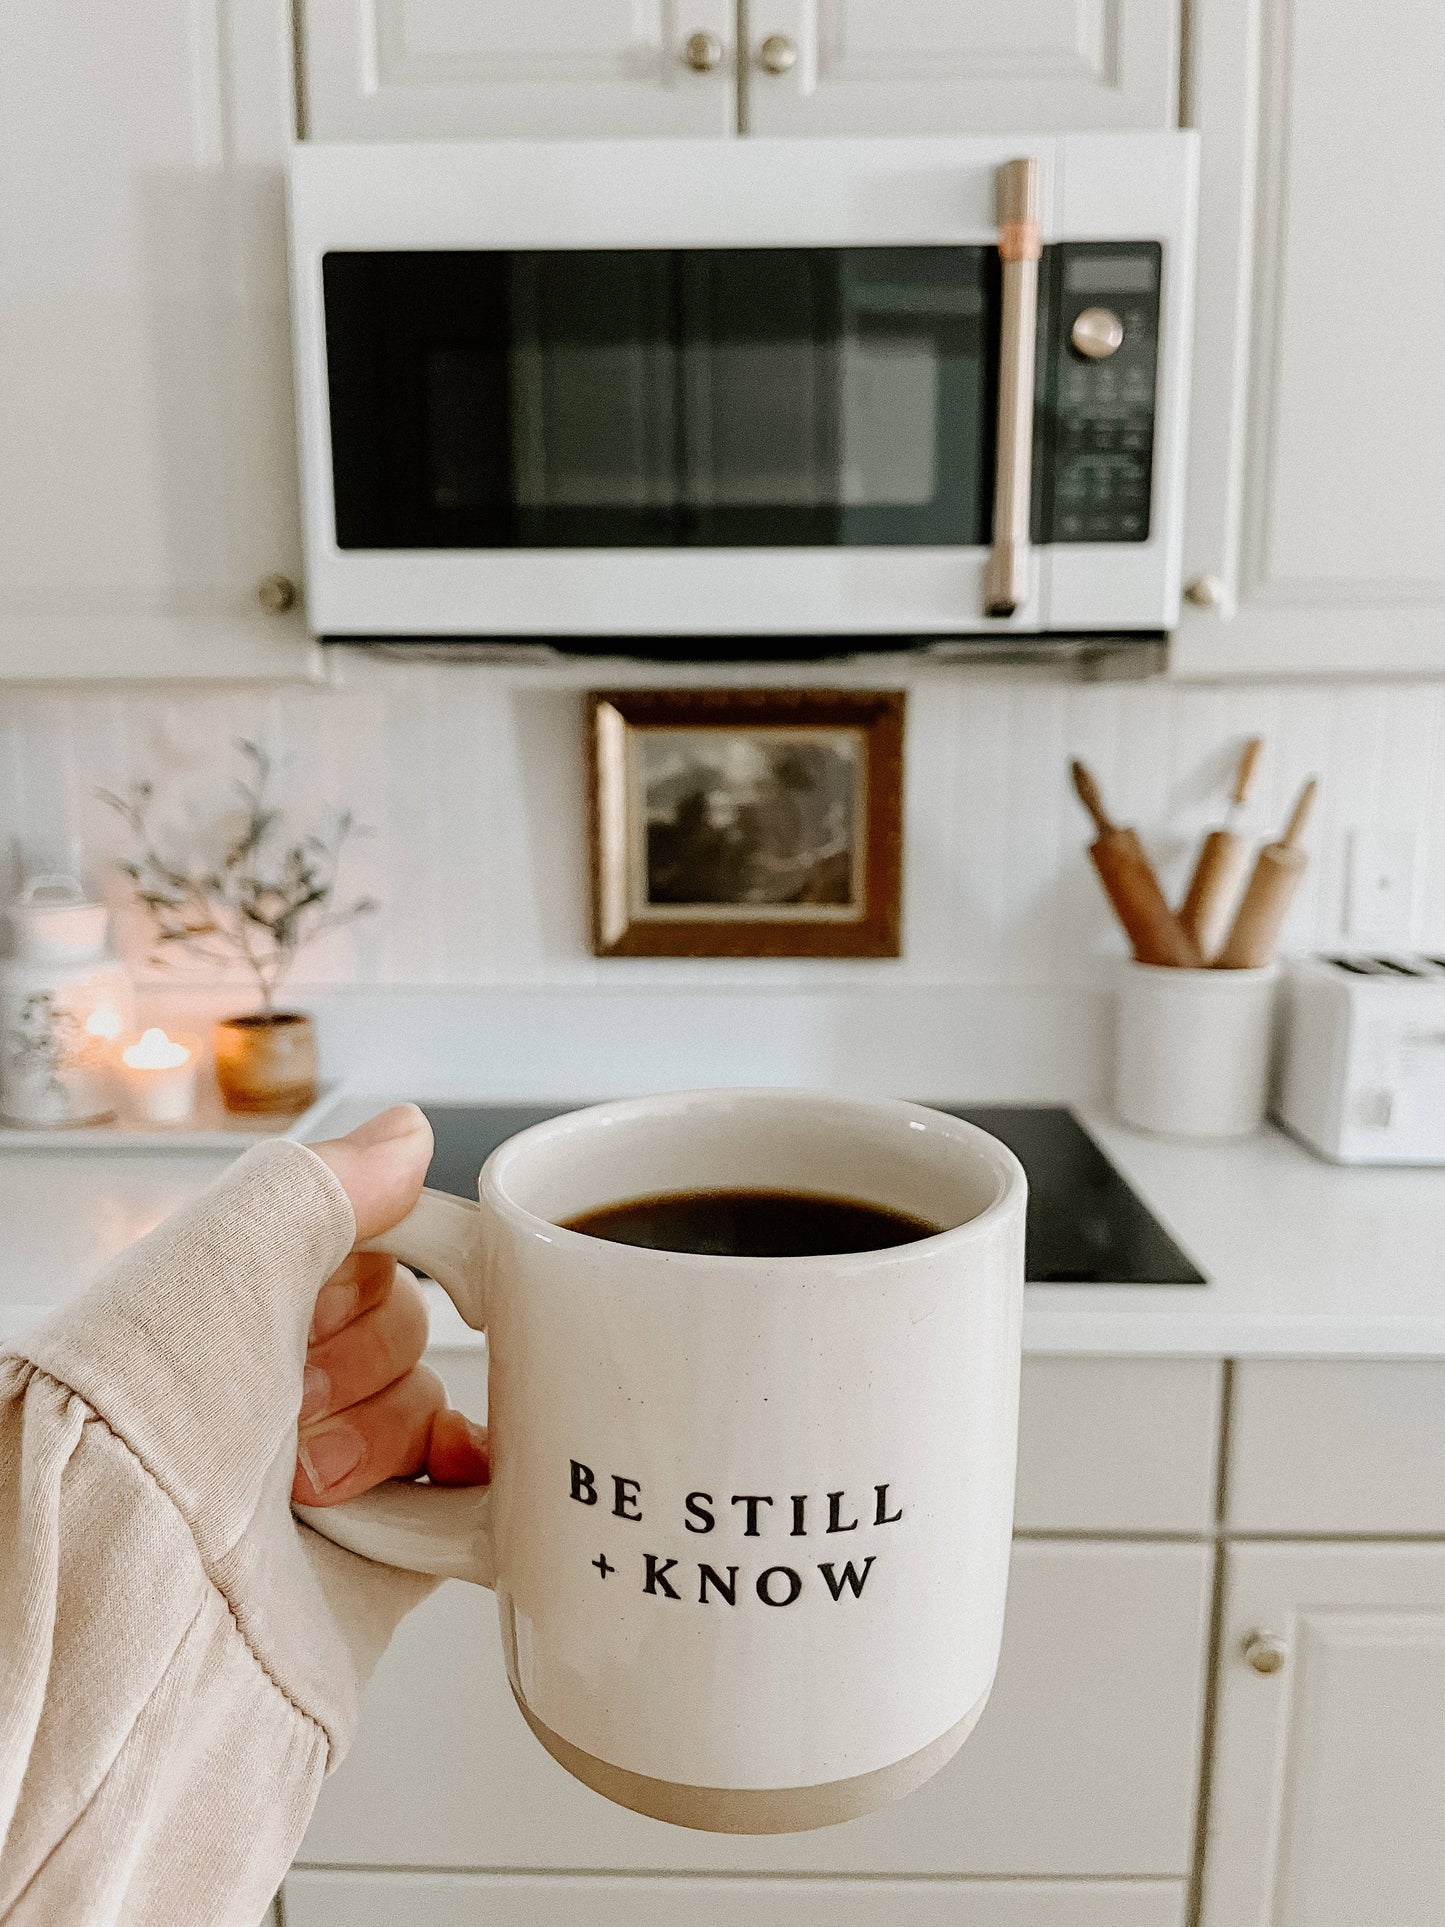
1384 871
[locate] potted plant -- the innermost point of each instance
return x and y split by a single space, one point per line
252 891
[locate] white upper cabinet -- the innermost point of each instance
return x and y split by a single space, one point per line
1325 1805
147 454
449 69
1315 539
565 69
940 67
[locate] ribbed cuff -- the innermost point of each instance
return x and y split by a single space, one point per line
191 1344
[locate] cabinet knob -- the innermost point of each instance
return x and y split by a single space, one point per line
276 594
777 54
1265 1652
1204 591
703 52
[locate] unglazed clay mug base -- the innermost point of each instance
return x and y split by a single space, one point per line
750 1518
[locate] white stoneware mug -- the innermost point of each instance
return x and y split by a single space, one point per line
749 1518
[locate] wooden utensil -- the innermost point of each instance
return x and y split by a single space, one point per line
1214 887
1277 871
1153 930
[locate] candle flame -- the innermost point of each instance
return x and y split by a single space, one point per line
154 1052
104 1021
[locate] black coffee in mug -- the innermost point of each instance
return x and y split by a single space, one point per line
751 1224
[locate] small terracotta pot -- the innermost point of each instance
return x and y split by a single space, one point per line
266 1062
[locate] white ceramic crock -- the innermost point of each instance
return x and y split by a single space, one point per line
1192 1050
749 1519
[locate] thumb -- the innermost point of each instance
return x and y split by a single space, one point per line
381 1166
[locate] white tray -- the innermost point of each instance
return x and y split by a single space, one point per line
213 1128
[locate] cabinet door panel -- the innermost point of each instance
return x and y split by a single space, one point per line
479 1900
931 67
1325 1809
1084 1762
565 69
1317 485
147 462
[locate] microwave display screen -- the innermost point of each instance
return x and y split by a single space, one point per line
749 397
1097 273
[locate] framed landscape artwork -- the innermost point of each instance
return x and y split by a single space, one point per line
746 822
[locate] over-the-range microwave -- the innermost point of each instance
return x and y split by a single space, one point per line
889 390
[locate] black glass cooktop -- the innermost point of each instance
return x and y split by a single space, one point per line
1085 1225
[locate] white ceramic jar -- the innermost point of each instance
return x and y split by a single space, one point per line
65 1003
1192 1050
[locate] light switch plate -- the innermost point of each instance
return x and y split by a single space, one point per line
1383 883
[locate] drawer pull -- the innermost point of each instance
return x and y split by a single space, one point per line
1265 1652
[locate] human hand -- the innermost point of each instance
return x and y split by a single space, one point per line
370 1409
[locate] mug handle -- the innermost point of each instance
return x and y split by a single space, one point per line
447 1530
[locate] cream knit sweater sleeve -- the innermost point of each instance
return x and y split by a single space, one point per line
180 1659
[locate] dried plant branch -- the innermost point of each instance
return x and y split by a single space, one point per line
259 901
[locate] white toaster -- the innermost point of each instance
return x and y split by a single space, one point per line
1361 1069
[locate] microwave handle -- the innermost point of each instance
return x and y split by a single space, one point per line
1006 577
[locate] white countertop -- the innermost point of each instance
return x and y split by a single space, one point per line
1303 1258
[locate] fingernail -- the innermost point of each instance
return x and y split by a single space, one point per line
400 1121
335 1304
315 1390
328 1456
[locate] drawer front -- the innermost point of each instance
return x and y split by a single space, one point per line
1118 1444
590 1900
1084 1762
1337 1446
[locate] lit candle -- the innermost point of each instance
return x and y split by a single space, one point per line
158 1077
105 1022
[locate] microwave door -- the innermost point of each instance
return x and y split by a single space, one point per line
744 398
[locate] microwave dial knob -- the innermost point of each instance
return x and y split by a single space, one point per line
1097 333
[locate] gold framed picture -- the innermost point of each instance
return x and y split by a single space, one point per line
746 822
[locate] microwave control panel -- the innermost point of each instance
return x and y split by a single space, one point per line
1095 400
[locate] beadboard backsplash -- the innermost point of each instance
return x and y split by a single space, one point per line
471 780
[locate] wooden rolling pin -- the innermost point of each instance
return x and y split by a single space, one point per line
1277 871
1156 934
1214 888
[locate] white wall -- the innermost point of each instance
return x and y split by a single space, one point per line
473 780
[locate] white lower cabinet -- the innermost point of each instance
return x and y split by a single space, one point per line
1329 1775
1075 1803
1084 1764
592 1900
